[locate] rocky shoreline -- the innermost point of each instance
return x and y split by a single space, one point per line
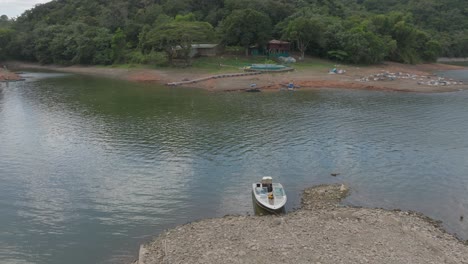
322 231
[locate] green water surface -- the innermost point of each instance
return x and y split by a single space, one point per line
90 167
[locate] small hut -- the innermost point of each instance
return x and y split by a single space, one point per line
207 50
255 50
278 48
203 50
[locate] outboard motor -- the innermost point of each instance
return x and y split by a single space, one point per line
267 182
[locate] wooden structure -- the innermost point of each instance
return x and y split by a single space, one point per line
277 48
227 75
202 50
274 48
207 50
255 50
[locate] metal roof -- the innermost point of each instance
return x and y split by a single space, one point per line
199 46
204 46
275 41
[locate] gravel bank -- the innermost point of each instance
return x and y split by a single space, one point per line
320 232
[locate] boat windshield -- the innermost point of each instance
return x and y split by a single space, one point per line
278 191
261 190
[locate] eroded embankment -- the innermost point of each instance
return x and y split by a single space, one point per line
320 232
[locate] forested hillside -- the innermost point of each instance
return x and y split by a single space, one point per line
146 31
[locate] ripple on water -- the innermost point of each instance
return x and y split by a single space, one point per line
87 169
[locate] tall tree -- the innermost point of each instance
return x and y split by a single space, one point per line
178 37
245 28
363 46
303 31
118 46
6 35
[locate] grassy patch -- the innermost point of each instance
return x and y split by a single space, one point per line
314 63
235 63
125 66
223 64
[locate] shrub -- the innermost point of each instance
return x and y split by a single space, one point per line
234 50
153 58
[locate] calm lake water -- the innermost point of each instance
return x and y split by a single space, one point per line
90 168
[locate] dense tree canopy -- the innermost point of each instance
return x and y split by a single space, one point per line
150 31
304 30
246 27
178 36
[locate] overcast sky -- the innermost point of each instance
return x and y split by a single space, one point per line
14 8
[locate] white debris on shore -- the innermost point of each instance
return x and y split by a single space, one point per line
321 232
429 80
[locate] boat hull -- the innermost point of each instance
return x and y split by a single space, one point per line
261 197
259 209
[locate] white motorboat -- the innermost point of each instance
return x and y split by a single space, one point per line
268 195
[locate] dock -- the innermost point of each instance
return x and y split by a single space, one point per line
219 76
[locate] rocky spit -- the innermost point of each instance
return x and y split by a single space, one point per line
430 80
8 76
322 231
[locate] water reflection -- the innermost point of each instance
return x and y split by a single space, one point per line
92 167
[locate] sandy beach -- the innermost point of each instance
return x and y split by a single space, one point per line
322 231
407 78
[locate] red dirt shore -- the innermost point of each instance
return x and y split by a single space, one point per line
317 79
305 78
6 75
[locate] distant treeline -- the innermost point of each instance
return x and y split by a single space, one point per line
147 31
